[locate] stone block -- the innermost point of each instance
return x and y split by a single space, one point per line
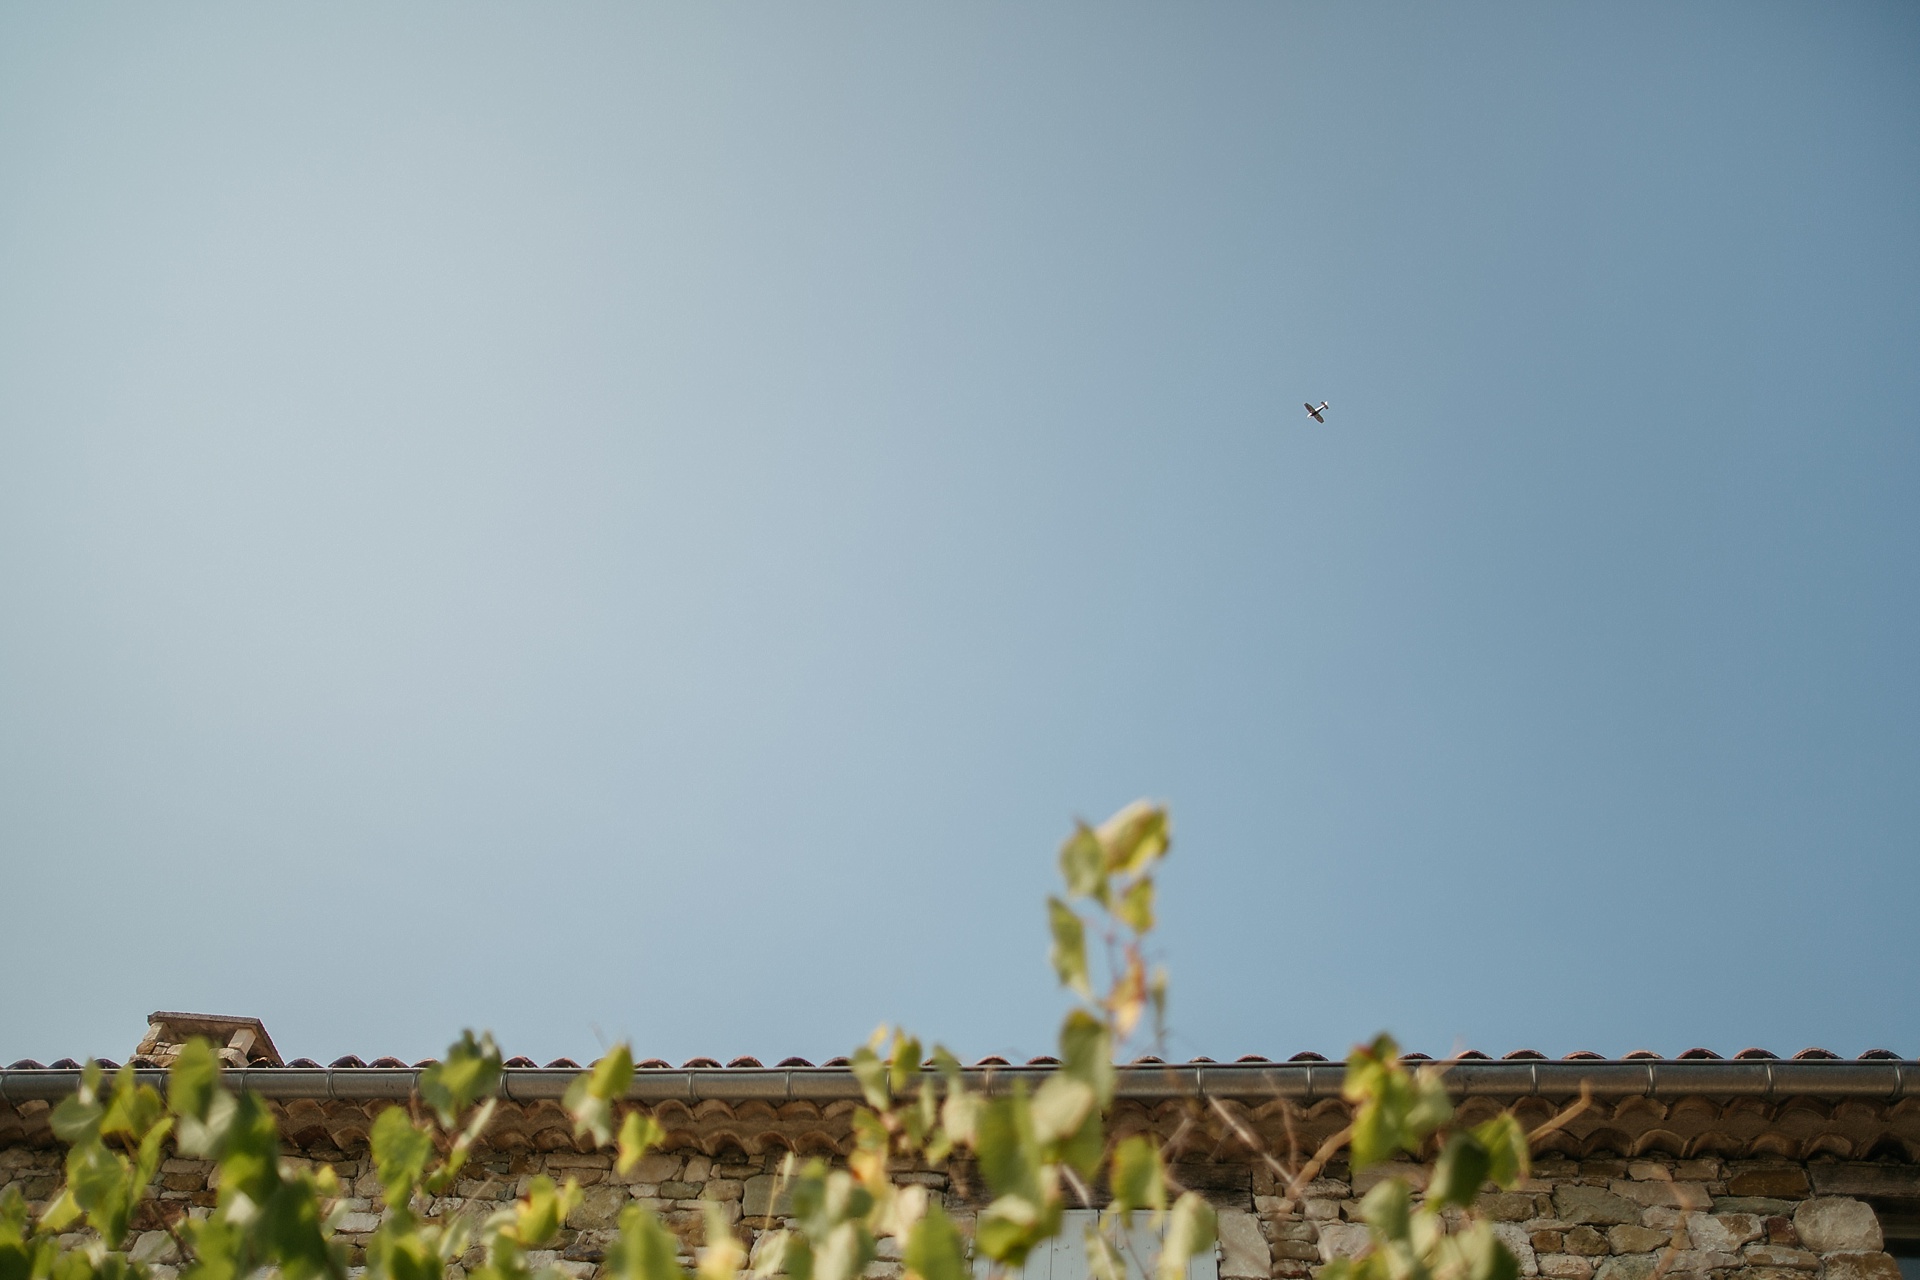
1701 1261
355 1223
1860 1179
1507 1206
1372 1176
1316 1210
1548 1241
1722 1232
1678 1195
1788 1181
1296 1250
1833 1224
680 1190
1648 1171
154 1246
1514 1236
599 1208
1586 1241
699 1168
654 1167
1343 1240
1774 1255
1703 1170
1630 1239
1869 1265
724 1189
1594 1205
1765 1206
1629 1266
1244 1254
758 1198
1565 1266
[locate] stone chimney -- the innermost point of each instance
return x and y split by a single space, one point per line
240 1042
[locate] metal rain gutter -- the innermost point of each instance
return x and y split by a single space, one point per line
1251 1083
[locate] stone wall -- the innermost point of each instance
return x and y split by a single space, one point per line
1590 1219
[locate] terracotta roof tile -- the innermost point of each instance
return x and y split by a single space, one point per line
744 1062
1524 1055
794 1062
1692 1055
1752 1055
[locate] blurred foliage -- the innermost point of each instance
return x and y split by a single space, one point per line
1038 1152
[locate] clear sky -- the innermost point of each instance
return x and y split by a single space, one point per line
618 520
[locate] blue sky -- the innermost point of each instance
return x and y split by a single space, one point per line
602 521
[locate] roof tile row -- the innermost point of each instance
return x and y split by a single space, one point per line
351 1061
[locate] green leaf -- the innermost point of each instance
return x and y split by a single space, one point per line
1190 1230
1430 1107
1139 1181
1008 1147
1060 1106
1069 946
871 1073
844 1252
638 1133
590 1098
1009 1228
1103 1260
541 1212
1083 864
400 1154
1485 1256
903 1065
1135 838
721 1258
1136 907
935 1249
1460 1172
1388 1209
1509 1159
1086 1054
469 1072
644 1249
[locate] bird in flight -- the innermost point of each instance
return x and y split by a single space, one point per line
1315 413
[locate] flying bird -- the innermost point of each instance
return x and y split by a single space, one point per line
1315 413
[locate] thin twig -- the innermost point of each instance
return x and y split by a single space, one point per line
1319 1162
1565 1117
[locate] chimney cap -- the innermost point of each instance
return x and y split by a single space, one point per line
239 1041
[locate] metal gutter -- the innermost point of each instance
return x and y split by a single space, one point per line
1883 1079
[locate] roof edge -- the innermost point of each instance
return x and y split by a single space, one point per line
1238 1082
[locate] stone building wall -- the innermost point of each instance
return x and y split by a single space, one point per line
1576 1219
